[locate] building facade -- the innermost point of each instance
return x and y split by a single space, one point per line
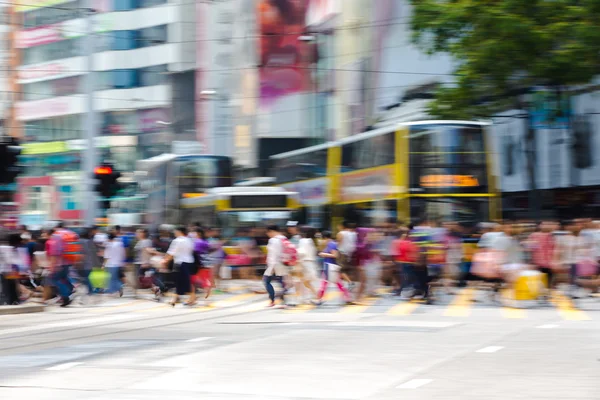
143 51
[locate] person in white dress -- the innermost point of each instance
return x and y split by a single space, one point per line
307 262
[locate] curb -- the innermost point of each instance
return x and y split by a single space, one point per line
21 309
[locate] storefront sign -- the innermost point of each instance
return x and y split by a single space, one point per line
448 181
30 149
46 70
47 108
369 185
311 193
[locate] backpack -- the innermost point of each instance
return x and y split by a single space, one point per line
290 254
71 247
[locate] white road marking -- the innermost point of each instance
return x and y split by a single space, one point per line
401 324
62 367
414 384
74 322
198 339
547 326
490 349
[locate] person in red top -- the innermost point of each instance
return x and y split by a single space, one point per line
405 253
56 251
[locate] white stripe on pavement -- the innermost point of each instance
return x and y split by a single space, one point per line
75 322
547 326
62 367
490 349
198 339
414 384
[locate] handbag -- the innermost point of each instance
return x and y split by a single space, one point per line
99 278
586 268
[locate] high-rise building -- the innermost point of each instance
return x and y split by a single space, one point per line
143 62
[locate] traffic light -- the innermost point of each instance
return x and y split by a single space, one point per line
9 160
107 184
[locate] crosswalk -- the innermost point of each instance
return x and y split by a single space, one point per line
461 305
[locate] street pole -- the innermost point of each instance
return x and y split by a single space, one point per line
90 200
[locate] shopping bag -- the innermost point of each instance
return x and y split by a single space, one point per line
99 278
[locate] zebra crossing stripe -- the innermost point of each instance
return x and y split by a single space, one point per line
461 305
404 308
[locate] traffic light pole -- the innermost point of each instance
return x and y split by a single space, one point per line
90 199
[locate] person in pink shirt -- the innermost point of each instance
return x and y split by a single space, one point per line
542 244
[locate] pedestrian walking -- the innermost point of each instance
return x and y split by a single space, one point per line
181 252
276 270
330 269
307 263
114 260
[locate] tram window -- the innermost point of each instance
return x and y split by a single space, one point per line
368 153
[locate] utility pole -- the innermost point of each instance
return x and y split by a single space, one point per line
89 126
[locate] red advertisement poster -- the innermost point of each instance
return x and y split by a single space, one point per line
284 59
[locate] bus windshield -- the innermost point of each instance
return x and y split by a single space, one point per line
195 174
447 159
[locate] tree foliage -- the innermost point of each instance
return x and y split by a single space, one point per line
501 47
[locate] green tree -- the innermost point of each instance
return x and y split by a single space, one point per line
502 47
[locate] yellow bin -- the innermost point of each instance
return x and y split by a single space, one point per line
530 285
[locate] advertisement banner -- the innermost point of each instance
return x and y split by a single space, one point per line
311 193
30 149
369 185
284 59
65 30
53 69
28 5
47 108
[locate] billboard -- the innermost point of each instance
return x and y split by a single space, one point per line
62 31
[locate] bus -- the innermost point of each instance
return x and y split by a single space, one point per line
166 179
405 172
233 208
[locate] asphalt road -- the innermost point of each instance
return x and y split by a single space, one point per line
129 349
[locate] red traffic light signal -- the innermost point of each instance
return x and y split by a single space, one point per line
103 170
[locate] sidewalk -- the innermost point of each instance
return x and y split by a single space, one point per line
21 309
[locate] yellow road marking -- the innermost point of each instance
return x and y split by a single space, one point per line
329 296
234 299
461 305
358 308
511 312
404 308
566 308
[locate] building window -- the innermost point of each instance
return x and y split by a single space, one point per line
53 15
151 76
124 40
68 198
125 5
151 3
125 78
53 51
152 36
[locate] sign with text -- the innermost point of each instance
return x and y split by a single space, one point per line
370 185
446 181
